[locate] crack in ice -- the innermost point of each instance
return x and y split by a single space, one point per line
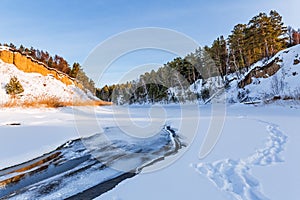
234 176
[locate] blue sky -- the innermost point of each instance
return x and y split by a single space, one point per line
73 28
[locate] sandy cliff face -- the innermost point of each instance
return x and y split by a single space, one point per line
42 85
7 56
27 64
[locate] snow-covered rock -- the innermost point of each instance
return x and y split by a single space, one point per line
262 84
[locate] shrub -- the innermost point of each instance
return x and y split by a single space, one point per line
296 93
205 94
50 102
296 62
14 87
277 85
243 95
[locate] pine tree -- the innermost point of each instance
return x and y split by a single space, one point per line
21 48
290 32
278 33
50 62
236 42
218 53
14 87
11 45
75 69
210 69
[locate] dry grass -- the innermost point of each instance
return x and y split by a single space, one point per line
51 102
11 103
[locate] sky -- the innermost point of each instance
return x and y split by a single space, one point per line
74 28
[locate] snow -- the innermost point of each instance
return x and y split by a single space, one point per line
259 144
40 131
234 176
254 140
4 48
37 86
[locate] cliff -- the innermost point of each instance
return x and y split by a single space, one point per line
28 64
261 72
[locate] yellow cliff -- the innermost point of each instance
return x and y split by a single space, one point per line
27 64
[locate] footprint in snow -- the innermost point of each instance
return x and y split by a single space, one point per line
234 176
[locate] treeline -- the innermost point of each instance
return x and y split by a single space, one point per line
57 62
170 83
261 38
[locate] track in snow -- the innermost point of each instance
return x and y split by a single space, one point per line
234 176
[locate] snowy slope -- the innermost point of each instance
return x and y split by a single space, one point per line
284 83
37 86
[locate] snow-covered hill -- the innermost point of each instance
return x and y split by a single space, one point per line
269 79
39 88
278 77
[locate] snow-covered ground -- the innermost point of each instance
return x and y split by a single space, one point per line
255 158
41 131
